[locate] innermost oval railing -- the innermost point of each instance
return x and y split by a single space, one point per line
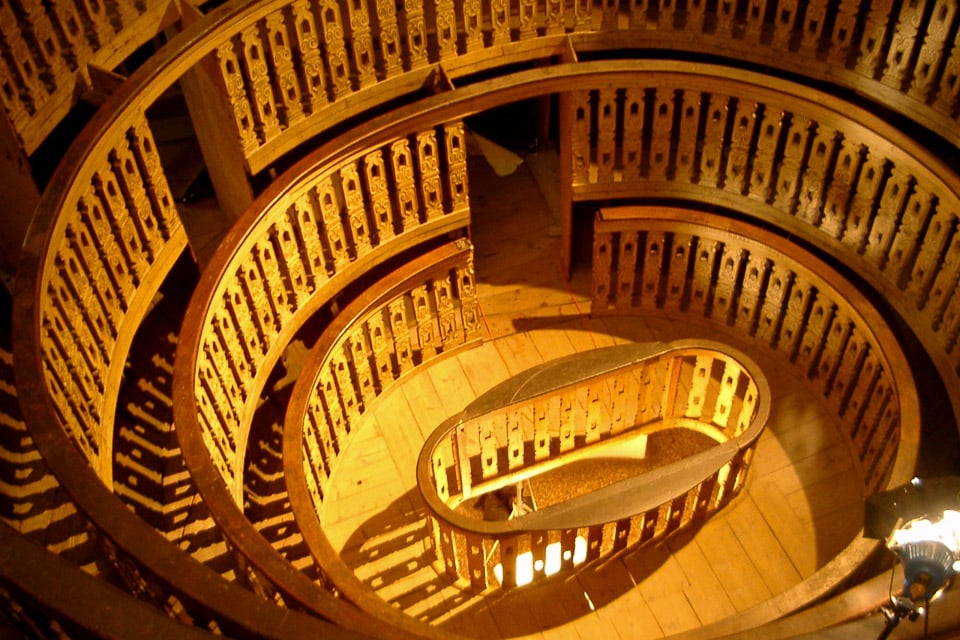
597 405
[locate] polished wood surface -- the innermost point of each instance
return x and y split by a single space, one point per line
801 505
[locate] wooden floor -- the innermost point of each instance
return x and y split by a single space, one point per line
802 503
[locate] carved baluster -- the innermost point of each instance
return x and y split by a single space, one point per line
333 235
554 17
346 388
907 239
239 305
472 25
528 18
318 449
837 202
726 395
314 261
312 71
416 28
726 15
381 207
835 348
389 38
427 336
798 307
357 227
877 405
949 87
848 368
763 169
236 87
446 29
861 385
466 290
680 256
76 47
428 160
335 416
288 85
815 333
844 25
900 58
229 383
651 269
380 343
602 270
450 333
794 153
948 328
402 164
772 306
260 311
895 193
155 181
226 332
813 21
130 246
662 134
739 154
23 77
264 104
455 146
755 17
400 329
335 47
820 159
606 134
62 385
136 202
702 283
81 249
111 255
697 394
930 259
361 39
626 270
731 266
515 448
696 15
489 464
667 14
713 140
588 398
288 250
280 294
754 283
359 347
878 21
500 21
864 200
84 353
686 136
931 53
580 137
632 142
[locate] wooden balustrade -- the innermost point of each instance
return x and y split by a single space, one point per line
866 198
285 71
594 405
325 230
47 51
424 310
662 260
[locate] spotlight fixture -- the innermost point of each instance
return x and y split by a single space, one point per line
925 537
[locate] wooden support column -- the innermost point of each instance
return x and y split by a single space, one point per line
213 121
566 169
20 194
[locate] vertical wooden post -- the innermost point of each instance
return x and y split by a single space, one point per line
214 123
564 141
20 194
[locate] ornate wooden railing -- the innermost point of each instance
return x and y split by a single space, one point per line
858 190
590 406
49 51
423 311
709 268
